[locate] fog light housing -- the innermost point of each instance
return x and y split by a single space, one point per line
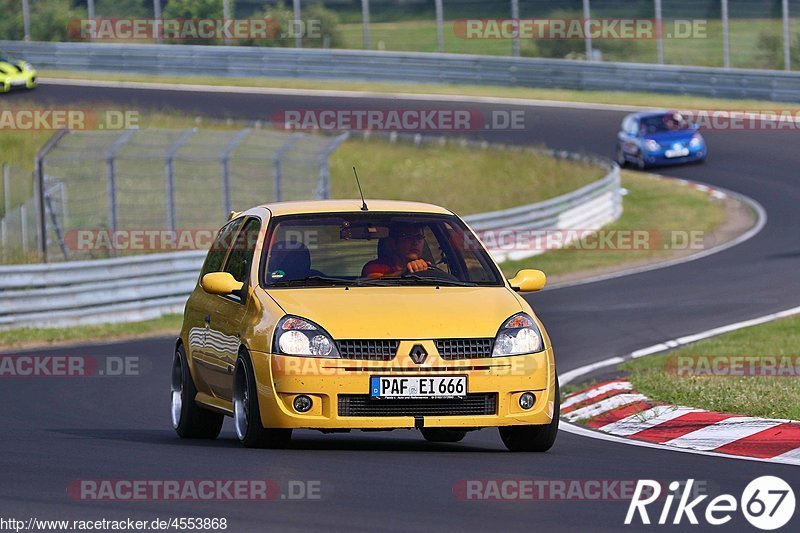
302 404
526 400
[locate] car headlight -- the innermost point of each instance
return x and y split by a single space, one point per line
518 335
651 145
26 66
298 336
696 141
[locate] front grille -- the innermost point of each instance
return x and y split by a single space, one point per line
472 404
368 350
452 349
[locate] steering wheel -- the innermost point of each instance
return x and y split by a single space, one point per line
433 272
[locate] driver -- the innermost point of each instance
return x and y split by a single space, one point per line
403 253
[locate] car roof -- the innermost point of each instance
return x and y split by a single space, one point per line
645 114
352 206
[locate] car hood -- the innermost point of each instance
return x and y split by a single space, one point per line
9 69
402 312
672 136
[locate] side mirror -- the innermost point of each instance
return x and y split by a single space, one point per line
528 280
221 283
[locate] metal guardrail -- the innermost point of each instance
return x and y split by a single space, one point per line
87 292
589 208
148 286
409 67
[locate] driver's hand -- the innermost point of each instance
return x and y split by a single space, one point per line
417 265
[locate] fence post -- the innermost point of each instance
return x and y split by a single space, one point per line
39 190
170 171
276 164
23 227
4 235
226 178
587 14
787 37
660 30
26 20
6 189
324 189
111 174
515 37
157 16
726 36
298 37
365 22
439 25
6 207
226 15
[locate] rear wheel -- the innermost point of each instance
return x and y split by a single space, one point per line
190 420
443 434
533 438
246 413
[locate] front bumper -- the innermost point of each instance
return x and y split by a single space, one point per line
332 383
660 158
24 80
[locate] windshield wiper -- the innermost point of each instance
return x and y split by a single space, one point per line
310 280
415 278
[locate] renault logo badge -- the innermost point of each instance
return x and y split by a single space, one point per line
418 354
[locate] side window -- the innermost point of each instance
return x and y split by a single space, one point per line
241 259
632 126
218 251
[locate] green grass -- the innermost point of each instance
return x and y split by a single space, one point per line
420 36
772 397
464 179
23 337
627 99
651 204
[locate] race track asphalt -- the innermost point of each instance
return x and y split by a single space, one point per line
58 430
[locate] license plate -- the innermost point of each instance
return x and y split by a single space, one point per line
399 387
677 153
17 83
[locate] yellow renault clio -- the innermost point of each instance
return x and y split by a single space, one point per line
341 314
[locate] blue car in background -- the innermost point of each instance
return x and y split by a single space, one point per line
659 138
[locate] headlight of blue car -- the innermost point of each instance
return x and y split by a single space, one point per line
697 140
651 145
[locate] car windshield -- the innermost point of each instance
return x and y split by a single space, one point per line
374 250
664 123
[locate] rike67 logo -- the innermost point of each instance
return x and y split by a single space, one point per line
767 502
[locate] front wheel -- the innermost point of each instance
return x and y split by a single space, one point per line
189 420
533 438
640 162
622 161
246 413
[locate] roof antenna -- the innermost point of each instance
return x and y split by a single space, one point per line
363 202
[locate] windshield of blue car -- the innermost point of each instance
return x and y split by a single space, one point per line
374 250
663 123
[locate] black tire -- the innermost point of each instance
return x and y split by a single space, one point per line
533 438
443 434
641 164
190 420
622 161
246 413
